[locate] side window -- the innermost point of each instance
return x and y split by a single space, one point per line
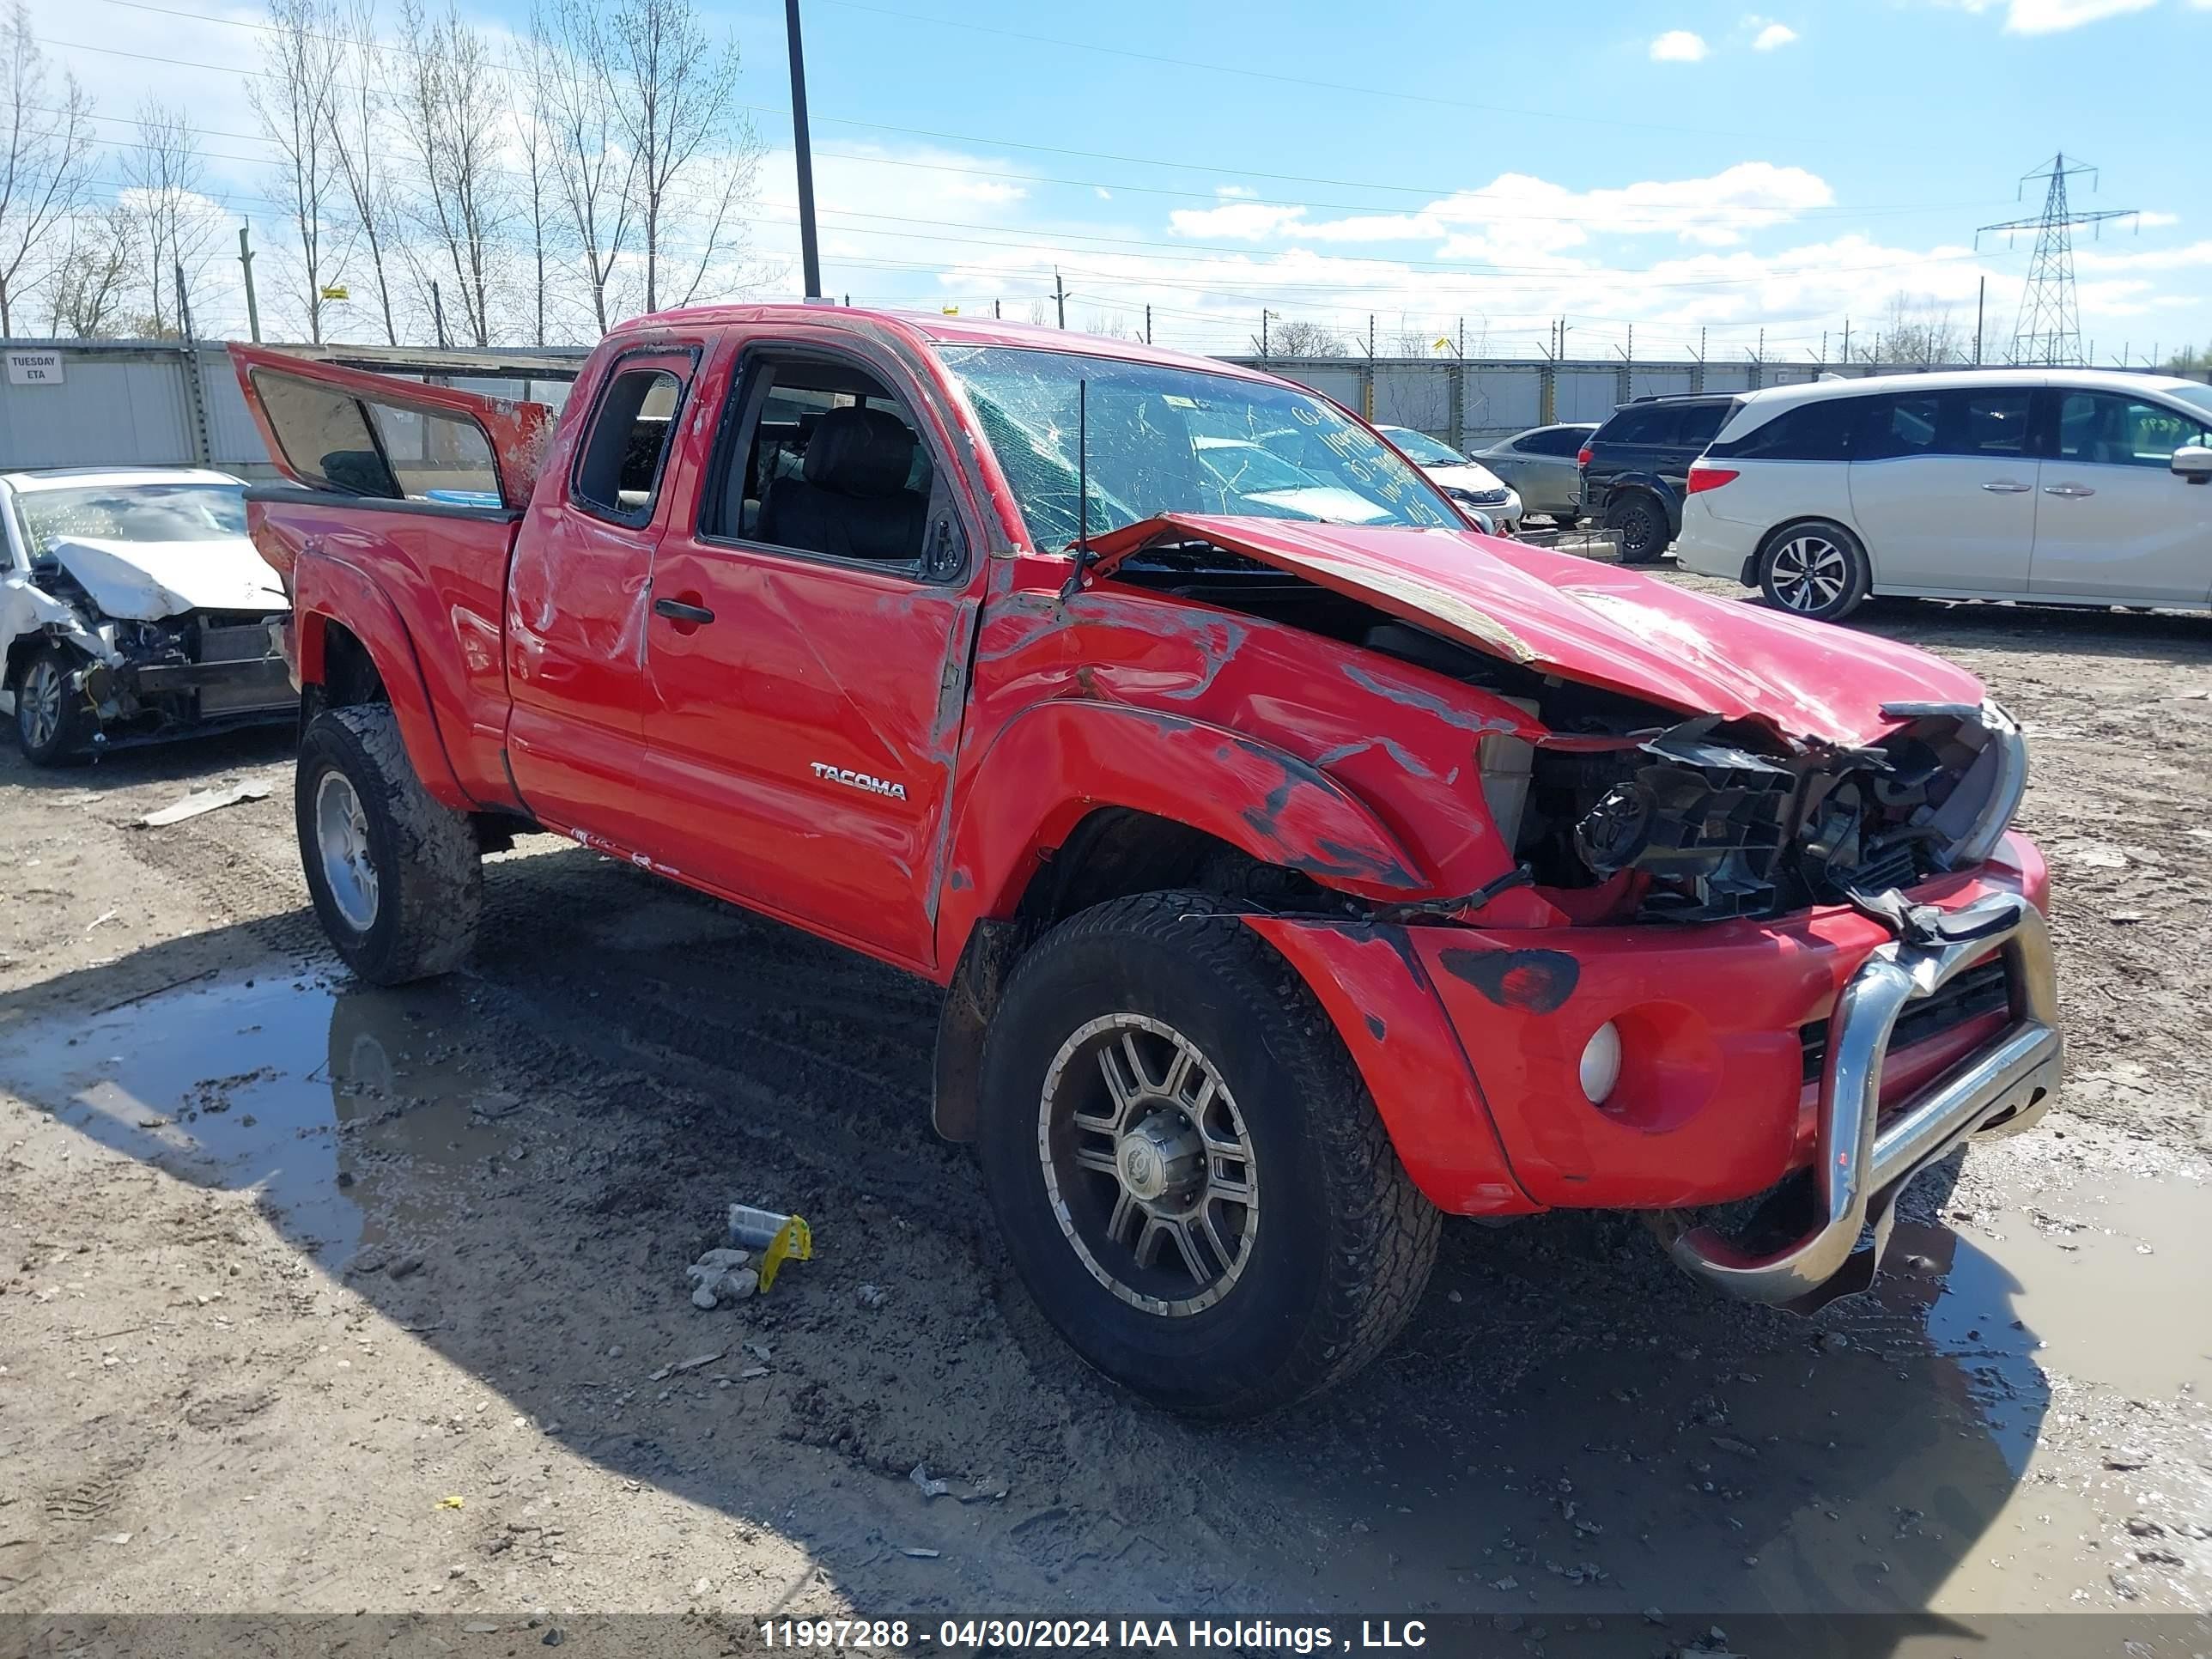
1643 425
1553 440
437 457
1984 422
620 465
1816 431
2105 429
828 460
326 436
1695 423
1901 425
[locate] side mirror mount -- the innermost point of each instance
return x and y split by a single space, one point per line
2193 462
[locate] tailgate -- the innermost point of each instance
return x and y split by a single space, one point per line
358 433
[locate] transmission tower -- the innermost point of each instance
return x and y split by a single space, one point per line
2049 331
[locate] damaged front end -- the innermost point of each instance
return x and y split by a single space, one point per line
1710 820
125 681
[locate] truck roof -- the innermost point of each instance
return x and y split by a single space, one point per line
935 328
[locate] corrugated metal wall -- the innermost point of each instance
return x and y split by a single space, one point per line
130 404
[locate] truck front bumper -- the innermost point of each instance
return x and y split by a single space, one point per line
1864 1158
1815 1045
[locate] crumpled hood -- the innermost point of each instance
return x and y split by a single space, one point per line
145 582
1593 623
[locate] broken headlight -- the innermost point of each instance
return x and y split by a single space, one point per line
1987 757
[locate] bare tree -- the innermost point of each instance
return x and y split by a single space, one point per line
93 279
594 170
174 221
296 99
45 160
449 106
1916 329
359 137
541 184
675 102
1294 337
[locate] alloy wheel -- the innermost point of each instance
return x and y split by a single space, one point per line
342 843
1148 1165
1810 572
38 703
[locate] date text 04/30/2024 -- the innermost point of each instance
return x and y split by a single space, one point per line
1245 1635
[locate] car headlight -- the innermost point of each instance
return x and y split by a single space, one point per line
1980 809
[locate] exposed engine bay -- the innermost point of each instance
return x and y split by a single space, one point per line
1639 814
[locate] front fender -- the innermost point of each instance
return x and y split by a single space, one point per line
1058 761
327 590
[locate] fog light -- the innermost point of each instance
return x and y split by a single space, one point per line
1600 1065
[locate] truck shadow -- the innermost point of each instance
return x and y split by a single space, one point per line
515 1167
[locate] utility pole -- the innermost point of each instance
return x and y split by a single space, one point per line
438 313
810 256
195 388
1060 296
1823 357
1371 337
1462 339
252 311
1847 340
1981 300
2048 331
1263 331
1148 324
995 311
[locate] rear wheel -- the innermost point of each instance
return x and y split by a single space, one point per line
396 876
1189 1174
51 721
1641 523
1816 569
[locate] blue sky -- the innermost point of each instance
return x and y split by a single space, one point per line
1678 166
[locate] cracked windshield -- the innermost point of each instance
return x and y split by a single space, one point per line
1168 440
146 513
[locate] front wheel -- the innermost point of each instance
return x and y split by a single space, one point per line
395 874
1189 1174
53 720
1816 569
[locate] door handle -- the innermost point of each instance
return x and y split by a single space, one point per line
679 610
2070 491
2007 487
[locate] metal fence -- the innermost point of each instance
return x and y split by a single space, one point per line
1469 404
110 403
138 402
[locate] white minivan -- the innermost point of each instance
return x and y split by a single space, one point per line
2054 486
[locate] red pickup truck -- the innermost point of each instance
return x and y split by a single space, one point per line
1301 865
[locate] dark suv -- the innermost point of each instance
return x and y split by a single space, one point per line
1634 467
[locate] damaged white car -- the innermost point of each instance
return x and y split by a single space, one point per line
133 608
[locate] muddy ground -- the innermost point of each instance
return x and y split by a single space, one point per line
315 1296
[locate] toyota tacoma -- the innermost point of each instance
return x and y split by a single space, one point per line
1297 877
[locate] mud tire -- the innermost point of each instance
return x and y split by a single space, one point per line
429 872
1344 1242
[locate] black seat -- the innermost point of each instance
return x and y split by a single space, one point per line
850 500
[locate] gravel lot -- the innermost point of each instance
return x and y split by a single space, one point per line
319 1297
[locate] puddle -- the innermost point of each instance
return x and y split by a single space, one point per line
317 1096
2103 1286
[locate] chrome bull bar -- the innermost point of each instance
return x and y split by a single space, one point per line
1862 1164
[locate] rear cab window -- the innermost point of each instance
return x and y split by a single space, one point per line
335 439
622 461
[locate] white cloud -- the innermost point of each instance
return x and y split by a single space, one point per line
2054 17
1523 218
1677 47
1771 36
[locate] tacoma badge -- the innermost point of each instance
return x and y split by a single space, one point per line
853 780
